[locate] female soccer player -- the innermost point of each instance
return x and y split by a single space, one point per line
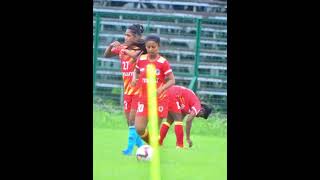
163 72
127 52
183 101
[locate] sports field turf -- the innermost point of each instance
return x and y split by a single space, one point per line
207 159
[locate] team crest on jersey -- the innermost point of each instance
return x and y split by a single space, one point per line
160 108
157 72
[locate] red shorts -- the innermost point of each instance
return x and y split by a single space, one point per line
130 102
174 106
142 109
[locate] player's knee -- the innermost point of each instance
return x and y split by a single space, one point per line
139 130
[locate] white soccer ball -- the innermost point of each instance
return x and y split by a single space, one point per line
144 153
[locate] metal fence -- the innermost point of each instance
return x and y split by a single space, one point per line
196 48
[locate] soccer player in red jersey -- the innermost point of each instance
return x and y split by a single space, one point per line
183 101
163 72
128 52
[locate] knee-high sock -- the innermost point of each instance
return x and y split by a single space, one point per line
132 137
178 129
163 131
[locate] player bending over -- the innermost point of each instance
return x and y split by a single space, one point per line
183 101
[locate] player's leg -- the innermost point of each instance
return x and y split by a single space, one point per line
173 115
164 128
163 108
141 127
134 106
141 121
178 128
126 107
137 141
127 117
173 107
132 135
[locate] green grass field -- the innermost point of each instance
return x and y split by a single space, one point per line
207 159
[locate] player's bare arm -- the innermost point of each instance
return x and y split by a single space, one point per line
188 127
135 77
171 81
107 52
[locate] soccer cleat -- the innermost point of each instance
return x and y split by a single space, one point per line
127 152
180 147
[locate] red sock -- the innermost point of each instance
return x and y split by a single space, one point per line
163 131
178 129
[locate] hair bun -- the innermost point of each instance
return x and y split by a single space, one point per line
139 28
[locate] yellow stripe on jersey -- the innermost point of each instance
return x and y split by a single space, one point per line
126 86
130 91
126 83
162 96
137 92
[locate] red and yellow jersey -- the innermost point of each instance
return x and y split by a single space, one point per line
162 70
127 69
188 100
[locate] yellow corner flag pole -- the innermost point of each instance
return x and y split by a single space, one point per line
153 121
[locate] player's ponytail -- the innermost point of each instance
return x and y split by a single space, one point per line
137 29
140 27
141 45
